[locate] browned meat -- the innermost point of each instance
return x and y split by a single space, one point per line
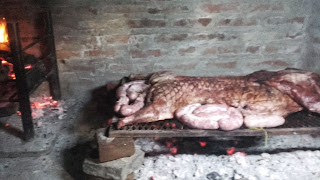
169 92
302 86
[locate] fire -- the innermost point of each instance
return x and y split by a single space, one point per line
3 31
4 42
7 125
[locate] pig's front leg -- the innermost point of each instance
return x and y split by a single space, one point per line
151 113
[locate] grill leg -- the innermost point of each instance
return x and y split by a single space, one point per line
21 84
54 76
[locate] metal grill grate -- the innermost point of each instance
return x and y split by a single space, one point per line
297 123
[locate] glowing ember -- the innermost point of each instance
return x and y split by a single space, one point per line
173 150
19 113
28 66
173 125
231 151
12 76
203 144
11 73
7 125
169 144
40 105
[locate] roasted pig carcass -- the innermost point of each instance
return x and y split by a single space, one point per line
260 99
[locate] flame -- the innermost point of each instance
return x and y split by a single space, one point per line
19 113
3 31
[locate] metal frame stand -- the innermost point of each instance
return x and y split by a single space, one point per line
21 84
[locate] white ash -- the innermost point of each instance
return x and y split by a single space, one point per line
148 145
282 166
46 107
294 165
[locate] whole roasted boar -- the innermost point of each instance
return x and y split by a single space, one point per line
262 98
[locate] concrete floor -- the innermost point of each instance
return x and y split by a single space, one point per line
75 140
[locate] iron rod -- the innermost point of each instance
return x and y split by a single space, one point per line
23 92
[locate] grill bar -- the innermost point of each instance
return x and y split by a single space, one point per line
298 123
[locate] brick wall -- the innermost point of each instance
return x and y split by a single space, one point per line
312 54
102 40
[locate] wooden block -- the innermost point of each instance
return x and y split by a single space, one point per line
114 148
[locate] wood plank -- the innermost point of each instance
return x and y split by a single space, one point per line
212 133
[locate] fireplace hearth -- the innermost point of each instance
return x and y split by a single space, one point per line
26 71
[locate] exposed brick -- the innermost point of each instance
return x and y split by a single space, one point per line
271 49
252 49
166 38
181 22
237 22
296 20
146 23
108 53
145 54
182 52
227 50
204 21
316 40
294 36
119 39
153 11
226 65
178 37
185 22
67 54
217 8
201 37
282 20
268 7
219 36
209 51
276 63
